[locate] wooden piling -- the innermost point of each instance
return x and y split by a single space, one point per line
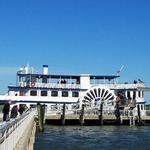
41 114
117 114
121 119
139 114
63 114
101 114
131 120
82 115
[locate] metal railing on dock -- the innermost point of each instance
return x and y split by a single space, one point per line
15 133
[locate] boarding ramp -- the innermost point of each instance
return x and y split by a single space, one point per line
19 133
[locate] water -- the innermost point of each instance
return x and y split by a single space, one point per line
93 138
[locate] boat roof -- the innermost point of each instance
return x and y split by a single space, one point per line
107 77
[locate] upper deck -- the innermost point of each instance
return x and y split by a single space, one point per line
27 78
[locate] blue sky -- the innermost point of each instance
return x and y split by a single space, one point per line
75 36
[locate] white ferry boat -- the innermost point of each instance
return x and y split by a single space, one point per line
74 90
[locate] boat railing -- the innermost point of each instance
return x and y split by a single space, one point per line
78 86
55 85
147 112
119 85
127 112
123 113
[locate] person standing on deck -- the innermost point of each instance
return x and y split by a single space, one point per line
5 111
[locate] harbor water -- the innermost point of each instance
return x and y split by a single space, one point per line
93 138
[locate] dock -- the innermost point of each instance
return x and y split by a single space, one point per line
127 117
94 120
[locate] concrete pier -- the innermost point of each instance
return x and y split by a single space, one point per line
18 133
28 139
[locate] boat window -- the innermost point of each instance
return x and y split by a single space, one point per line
75 94
128 95
134 94
43 93
64 93
139 93
33 93
141 107
54 93
142 94
44 79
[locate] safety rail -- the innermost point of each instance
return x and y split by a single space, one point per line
13 131
51 85
78 86
54 85
125 113
120 85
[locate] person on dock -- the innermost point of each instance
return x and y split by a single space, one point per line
14 112
5 111
21 109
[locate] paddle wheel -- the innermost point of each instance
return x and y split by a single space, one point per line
97 95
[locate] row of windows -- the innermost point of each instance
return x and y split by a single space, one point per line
54 93
140 94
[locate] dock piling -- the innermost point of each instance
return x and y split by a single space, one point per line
121 119
63 114
101 114
117 114
41 114
139 114
82 115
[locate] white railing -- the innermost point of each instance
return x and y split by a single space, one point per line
147 112
12 131
54 85
120 86
78 86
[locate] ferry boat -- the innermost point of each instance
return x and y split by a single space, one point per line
74 90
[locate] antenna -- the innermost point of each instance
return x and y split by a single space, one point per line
118 72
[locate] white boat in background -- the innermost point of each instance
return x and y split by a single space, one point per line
74 90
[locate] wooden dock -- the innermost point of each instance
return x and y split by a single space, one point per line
71 119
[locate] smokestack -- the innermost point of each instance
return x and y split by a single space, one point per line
45 69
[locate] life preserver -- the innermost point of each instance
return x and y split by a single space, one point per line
32 84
